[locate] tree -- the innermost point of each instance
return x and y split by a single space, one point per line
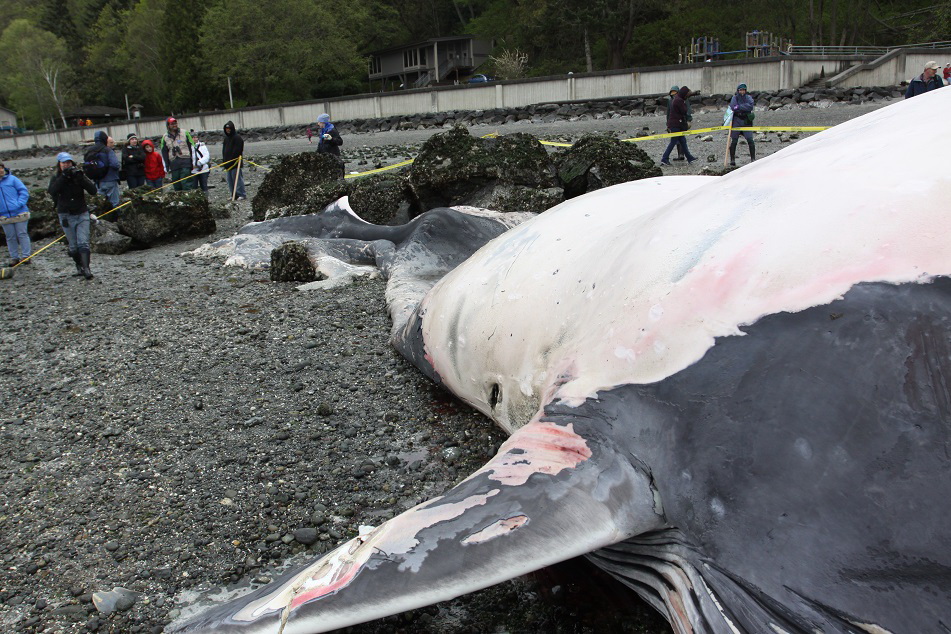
35 72
283 49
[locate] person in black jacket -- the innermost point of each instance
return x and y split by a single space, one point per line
68 187
329 140
677 122
231 149
133 162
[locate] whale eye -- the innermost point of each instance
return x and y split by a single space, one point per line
495 395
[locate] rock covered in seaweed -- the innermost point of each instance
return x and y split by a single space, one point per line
290 263
597 161
305 182
166 217
510 173
382 199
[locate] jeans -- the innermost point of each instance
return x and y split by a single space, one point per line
110 189
230 176
201 180
76 228
675 142
158 182
135 181
18 240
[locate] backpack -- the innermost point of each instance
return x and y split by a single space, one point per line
95 164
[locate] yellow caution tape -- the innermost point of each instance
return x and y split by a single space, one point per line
118 207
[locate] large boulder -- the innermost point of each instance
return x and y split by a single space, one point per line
44 221
166 217
597 161
505 173
300 183
382 199
104 237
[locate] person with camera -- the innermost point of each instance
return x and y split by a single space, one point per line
329 140
178 151
14 215
68 188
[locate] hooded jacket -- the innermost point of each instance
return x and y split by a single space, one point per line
133 160
68 190
101 148
742 106
677 115
154 167
331 145
13 195
232 147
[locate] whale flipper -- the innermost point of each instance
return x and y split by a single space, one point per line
557 488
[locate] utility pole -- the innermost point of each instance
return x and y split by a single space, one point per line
230 96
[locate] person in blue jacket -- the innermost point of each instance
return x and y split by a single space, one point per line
14 216
109 184
742 106
928 80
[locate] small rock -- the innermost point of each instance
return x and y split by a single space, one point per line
116 600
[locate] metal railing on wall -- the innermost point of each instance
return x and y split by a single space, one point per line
860 50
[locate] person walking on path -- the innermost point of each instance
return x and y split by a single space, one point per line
677 122
202 158
14 215
741 106
177 150
232 148
154 166
103 157
671 94
329 141
133 162
68 188
927 80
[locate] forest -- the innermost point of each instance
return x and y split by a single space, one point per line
178 56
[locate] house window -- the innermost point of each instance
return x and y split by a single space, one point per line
376 65
411 58
422 57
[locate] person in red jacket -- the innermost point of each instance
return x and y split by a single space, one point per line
154 165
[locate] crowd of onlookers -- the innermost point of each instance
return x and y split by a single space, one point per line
181 158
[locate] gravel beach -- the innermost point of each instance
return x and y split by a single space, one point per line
175 427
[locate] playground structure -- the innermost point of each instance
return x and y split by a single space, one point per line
758 44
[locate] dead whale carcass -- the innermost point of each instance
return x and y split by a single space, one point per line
736 397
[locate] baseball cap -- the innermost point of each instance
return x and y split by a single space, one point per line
933 65
62 157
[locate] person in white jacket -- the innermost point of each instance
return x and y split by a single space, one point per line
202 156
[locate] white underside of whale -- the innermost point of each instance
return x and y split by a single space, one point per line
633 283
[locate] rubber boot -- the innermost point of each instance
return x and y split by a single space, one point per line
79 265
733 152
84 263
752 152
